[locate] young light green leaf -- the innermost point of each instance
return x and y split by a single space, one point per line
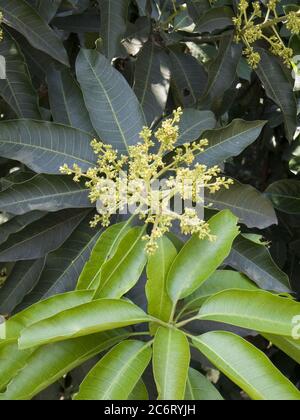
117 374
289 346
97 316
198 259
246 366
199 388
171 359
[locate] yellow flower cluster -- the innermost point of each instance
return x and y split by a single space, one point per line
120 181
250 28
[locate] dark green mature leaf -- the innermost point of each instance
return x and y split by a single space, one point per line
189 78
196 8
229 141
246 366
152 81
16 89
287 345
45 193
20 282
97 316
66 100
255 260
279 89
45 147
199 388
41 237
117 374
123 270
198 259
255 310
103 251
221 74
18 223
113 26
113 107
25 19
248 204
285 195
171 359
50 363
64 265
159 264
217 18
46 9
40 311
193 123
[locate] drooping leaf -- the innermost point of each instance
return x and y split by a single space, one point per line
113 26
103 251
171 359
198 259
248 204
66 100
152 81
113 107
17 89
117 374
41 237
20 282
255 261
255 310
123 270
96 316
199 388
45 147
279 89
50 363
246 366
285 195
189 78
159 264
45 193
26 20
229 141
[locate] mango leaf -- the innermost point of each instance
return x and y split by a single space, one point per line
97 316
199 388
289 346
229 141
16 224
248 204
171 359
196 8
255 310
45 193
279 89
19 283
152 81
45 147
254 260
41 311
285 195
193 123
63 266
117 374
243 364
46 10
41 237
103 251
221 280
198 259
215 19
159 264
50 363
123 270
66 100
189 78
26 20
16 89
222 73
113 107
139 393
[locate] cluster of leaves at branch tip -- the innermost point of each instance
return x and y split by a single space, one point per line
146 164
250 28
